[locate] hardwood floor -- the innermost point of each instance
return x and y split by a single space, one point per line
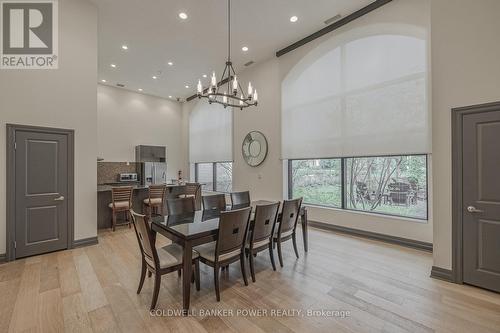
385 288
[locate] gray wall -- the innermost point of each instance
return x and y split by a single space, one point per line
465 71
64 98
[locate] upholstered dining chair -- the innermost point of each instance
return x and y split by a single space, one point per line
287 226
155 200
229 246
180 206
192 190
240 199
159 261
121 202
214 202
261 235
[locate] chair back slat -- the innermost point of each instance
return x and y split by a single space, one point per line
241 199
122 193
264 222
180 206
233 227
145 238
216 202
157 191
289 215
192 189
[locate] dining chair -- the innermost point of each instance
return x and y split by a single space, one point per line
192 190
229 246
240 199
214 202
159 261
287 226
121 202
180 206
261 235
155 200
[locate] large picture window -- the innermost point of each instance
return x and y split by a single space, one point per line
391 185
215 177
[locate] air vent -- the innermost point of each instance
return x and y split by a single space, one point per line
333 19
120 85
249 63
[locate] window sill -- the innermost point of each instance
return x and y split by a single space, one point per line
392 217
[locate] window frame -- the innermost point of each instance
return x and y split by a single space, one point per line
343 161
214 174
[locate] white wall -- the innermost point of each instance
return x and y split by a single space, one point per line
126 119
64 98
466 71
267 180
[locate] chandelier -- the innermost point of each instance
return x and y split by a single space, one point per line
228 91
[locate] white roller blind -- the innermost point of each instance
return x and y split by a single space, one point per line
210 133
364 96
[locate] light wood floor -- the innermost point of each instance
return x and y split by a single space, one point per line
386 289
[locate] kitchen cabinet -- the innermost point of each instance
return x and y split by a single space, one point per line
145 153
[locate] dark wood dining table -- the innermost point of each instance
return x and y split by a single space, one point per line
200 227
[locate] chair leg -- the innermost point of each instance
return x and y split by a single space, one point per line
216 281
179 272
243 271
271 255
280 257
156 290
294 239
197 274
113 220
252 271
129 218
143 275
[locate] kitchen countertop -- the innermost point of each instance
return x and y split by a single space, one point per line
136 187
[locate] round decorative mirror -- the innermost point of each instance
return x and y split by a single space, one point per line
254 148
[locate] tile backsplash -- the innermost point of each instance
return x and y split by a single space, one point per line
107 172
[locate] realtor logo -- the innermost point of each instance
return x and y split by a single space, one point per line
29 34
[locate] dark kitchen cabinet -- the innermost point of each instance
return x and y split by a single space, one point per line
150 153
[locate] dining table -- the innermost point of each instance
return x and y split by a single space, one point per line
201 227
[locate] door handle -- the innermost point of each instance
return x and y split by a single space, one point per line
61 198
472 209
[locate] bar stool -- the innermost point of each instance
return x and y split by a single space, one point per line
192 190
155 201
121 198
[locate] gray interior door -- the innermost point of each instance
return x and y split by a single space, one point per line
481 199
41 186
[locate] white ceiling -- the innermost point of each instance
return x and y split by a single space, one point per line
155 35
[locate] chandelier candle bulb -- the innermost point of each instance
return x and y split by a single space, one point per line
255 96
199 87
224 99
235 86
214 80
250 89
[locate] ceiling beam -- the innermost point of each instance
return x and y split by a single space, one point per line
334 26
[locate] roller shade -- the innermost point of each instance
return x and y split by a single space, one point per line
359 97
210 133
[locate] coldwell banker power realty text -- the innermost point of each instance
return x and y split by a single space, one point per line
29 34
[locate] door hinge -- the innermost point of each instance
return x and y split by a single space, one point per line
15 244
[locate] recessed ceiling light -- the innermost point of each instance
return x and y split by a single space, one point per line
140 89
103 81
170 63
154 77
125 47
169 96
204 75
244 48
294 19
113 65
183 15
187 87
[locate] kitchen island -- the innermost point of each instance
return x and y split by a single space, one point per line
140 193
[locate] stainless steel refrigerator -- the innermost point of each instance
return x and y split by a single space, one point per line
153 173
